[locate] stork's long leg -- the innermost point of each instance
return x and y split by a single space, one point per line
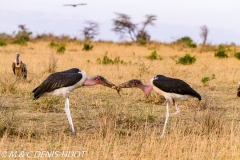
177 110
166 120
67 110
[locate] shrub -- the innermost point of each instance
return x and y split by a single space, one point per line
205 80
53 44
237 55
87 47
142 42
21 41
187 59
154 56
107 60
151 118
187 41
221 53
3 43
61 48
23 36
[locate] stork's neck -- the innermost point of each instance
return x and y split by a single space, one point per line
89 82
147 88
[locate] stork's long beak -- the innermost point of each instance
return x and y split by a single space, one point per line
125 85
109 84
122 85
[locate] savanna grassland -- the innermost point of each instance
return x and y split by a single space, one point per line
127 127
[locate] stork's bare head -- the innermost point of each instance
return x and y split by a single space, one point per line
99 80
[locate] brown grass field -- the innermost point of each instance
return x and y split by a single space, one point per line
127 127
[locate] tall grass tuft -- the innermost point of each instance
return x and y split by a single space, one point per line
8 86
52 65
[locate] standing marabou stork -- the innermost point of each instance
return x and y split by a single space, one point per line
170 88
19 68
62 83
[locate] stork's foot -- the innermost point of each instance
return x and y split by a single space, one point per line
74 133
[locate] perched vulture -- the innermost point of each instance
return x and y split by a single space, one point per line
19 68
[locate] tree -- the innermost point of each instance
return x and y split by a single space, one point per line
90 31
123 25
22 36
203 35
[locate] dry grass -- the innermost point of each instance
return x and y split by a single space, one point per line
126 127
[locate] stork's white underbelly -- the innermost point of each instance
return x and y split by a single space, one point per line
59 92
169 95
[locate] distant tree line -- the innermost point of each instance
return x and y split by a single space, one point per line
122 25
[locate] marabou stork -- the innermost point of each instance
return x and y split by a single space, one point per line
62 83
170 88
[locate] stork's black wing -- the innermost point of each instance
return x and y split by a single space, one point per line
72 70
173 85
55 81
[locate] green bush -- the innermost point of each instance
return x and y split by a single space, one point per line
192 45
187 59
187 41
154 56
3 43
20 40
205 80
142 42
87 47
53 44
237 55
61 48
107 60
23 36
221 53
